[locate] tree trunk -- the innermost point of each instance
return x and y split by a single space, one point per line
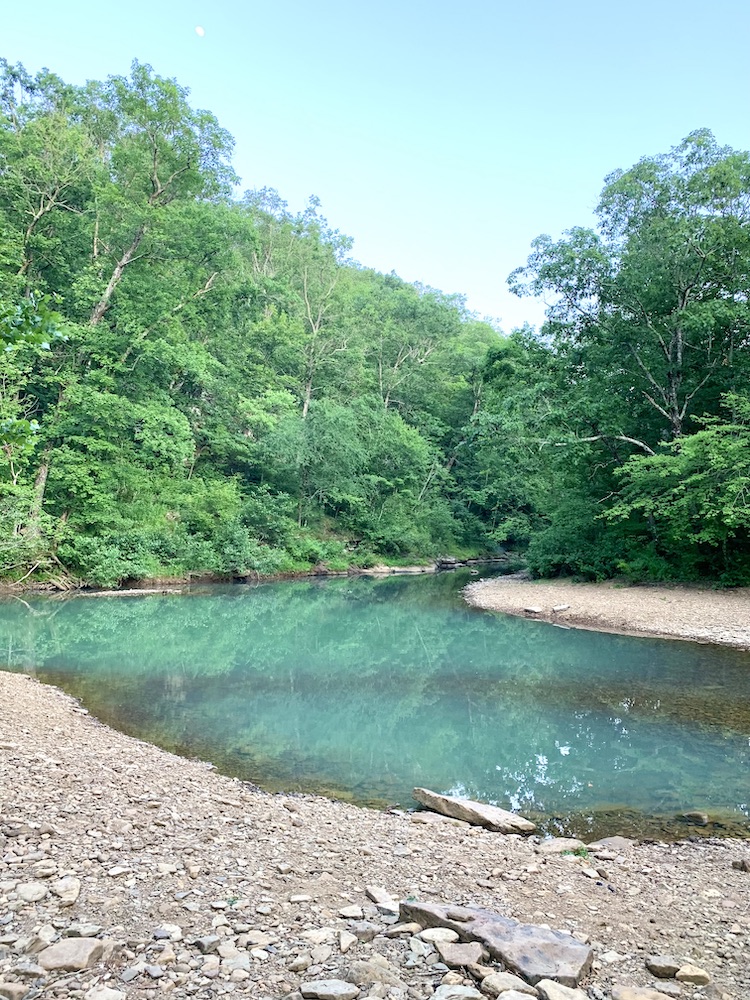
103 304
34 527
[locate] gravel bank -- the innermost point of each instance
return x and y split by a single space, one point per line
721 616
187 883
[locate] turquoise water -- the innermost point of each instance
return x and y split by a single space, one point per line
362 688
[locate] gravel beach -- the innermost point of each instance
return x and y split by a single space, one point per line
718 616
166 878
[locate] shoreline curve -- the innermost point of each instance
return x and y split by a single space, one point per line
672 612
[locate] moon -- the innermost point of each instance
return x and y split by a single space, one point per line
200 32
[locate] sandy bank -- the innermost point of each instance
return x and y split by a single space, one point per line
701 615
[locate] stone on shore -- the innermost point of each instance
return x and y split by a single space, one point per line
476 813
498 983
535 953
329 989
549 990
71 955
692 974
663 966
67 889
457 993
13 991
458 956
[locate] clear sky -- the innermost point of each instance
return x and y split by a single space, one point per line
442 136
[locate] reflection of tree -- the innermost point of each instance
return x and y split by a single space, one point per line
368 687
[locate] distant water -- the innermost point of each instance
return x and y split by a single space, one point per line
362 688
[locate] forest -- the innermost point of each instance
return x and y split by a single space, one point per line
200 382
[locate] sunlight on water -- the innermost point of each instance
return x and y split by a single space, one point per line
362 688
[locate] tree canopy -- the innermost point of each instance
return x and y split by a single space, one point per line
199 382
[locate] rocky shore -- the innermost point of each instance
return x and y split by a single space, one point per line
127 872
717 616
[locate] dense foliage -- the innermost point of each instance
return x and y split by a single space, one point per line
198 382
227 392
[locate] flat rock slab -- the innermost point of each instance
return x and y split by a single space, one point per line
663 966
71 955
458 956
612 844
476 813
505 983
329 989
457 993
13 991
534 953
554 991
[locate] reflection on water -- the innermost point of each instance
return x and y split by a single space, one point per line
362 688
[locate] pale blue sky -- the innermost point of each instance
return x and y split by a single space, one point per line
442 136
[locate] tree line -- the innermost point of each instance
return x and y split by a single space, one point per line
199 382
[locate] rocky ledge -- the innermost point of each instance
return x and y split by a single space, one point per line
127 872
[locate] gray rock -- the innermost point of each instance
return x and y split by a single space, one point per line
83 930
611 844
363 930
435 934
514 995
456 993
31 892
104 993
476 813
743 865
458 956
13 991
207 944
663 966
503 982
534 953
374 971
555 991
72 955
131 973
692 974
67 888
329 989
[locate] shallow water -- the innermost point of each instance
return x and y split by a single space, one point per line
362 688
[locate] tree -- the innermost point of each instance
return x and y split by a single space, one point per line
656 301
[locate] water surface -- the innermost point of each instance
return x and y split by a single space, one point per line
362 688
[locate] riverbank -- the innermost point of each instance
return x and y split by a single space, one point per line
184 882
698 614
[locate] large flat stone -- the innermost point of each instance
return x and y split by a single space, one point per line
329 989
534 953
476 813
71 955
